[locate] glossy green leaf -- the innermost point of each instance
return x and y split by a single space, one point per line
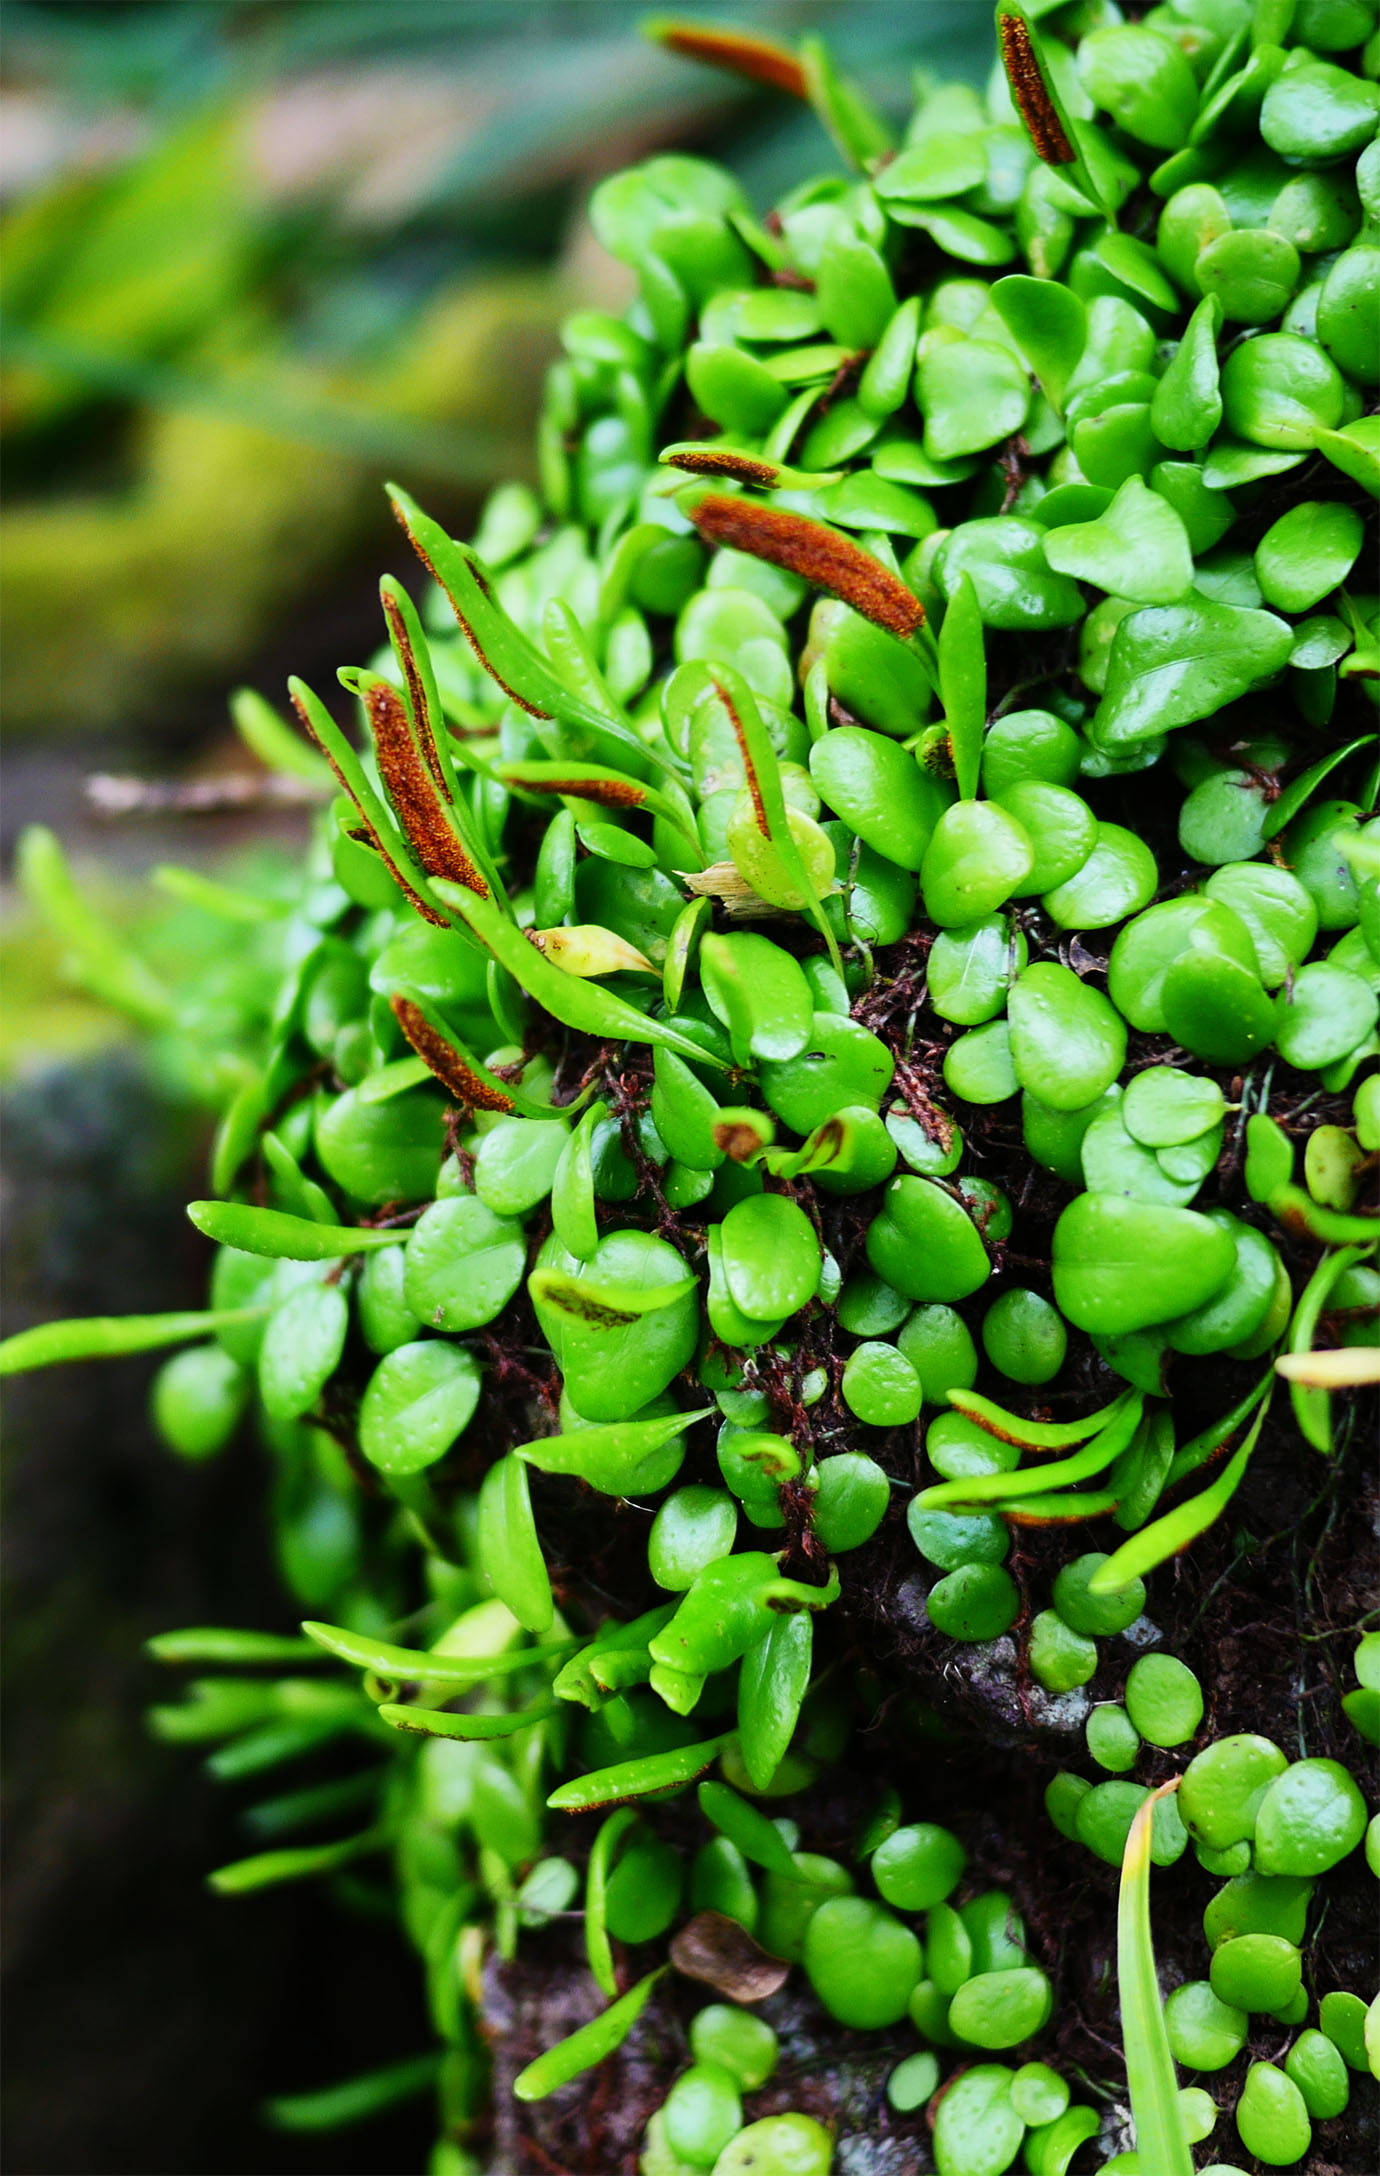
1123 1265
1139 548
272 1232
760 994
587 2046
1049 325
1174 663
510 1553
963 684
1166 1536
419 1398
771 1256
758 1838
623 1458
109 1337
640 1778
772 1682
1186 407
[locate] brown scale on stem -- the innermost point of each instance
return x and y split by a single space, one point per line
816 553
1031 93
441 1057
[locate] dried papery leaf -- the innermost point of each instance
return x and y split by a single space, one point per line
414 788
816 553
1031 92
717 1951
760 60
1344 1370
722 881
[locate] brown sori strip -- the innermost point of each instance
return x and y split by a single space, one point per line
1031 94
761 60
366 830
414 792
710 461
445 1060
416 690
754 788
608 792
820 555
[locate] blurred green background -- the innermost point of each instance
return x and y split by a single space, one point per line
255 257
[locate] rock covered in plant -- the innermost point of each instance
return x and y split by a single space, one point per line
766 1214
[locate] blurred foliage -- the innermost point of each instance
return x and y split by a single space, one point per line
257 254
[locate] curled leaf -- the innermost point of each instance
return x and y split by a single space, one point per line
603 1306
620 1458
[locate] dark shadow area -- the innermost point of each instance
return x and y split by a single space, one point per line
145 2019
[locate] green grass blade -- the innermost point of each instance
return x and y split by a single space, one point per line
1160 2141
